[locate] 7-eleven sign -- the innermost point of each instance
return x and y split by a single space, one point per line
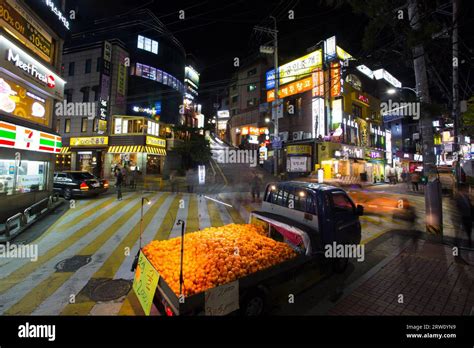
18 137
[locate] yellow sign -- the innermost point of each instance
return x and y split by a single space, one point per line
298 150
291 89
90 141
300 67
145 282
155 141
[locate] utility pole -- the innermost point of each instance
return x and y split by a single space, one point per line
433 197
274 33
456 90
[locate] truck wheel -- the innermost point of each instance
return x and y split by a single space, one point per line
254 304
67 194
340 265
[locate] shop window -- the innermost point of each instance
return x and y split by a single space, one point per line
71 68
356 111
88 66
84 125
67 125
85 94
30 177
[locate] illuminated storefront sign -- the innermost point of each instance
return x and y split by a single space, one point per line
148 111
319 123
385 75
318 83
17 99
299 149
18 137
370 154
335 75
90 141
62 18
336 111
16 61
352 152
16 19
362 98
341 54
191 75
295 70
388 146
292 89
159 142
300 67
330 48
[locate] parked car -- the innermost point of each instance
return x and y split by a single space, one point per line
70 184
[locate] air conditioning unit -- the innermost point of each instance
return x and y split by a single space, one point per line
308 135
297 135
283 136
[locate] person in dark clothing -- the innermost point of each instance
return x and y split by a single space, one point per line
118 183
415 181
255 184
464 206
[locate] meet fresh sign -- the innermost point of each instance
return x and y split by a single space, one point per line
15 60
30 68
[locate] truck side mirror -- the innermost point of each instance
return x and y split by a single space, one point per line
359 210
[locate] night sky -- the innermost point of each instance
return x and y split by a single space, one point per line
215 32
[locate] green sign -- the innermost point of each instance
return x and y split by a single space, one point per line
145 282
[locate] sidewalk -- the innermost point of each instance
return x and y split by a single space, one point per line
424 279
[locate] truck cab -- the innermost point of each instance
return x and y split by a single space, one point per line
327 211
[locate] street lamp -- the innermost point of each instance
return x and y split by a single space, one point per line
395 90
135 261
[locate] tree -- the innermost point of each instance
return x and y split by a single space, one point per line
467 120
194 148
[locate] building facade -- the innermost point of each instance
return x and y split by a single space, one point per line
30 86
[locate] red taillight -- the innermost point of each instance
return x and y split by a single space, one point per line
168 311
84 186
106 183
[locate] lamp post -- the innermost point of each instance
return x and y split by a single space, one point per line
181 279
263 49
135 261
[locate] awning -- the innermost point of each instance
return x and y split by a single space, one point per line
137 149
65 150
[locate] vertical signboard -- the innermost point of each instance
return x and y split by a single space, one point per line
335 79
104 88
318 83
121 81
319 122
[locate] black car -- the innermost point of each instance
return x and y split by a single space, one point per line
70 184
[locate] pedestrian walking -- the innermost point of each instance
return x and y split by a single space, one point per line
190 180
133 178
118 183
415 181
464 206
174 182
255 184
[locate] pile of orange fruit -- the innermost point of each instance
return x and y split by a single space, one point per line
215 256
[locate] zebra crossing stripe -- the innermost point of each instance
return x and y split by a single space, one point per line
192 222
46 290
214 215
61 247
169 220
115 260
204 219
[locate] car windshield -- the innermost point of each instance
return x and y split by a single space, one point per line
82 176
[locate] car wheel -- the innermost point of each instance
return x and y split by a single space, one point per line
340 264
67 194
254 304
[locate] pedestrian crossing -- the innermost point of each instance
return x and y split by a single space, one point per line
106 232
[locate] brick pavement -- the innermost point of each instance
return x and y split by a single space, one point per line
424 279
